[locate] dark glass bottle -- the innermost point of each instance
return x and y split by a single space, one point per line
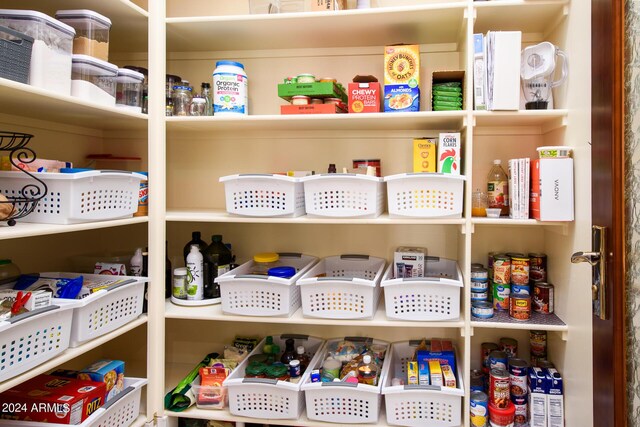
196 239
145 273
217 260
289 352
167 271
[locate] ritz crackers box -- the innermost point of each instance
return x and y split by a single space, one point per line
50 399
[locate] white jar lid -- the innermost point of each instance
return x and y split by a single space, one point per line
32 15
93 66
126 75
83 13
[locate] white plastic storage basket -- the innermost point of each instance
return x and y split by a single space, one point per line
416 405
78 197
343 195
122 411
32 338
264 195
433 297
425 195
249 294
342 287
343 402
105 310
270 398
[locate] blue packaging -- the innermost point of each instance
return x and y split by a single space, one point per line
444 357
401 98
520 290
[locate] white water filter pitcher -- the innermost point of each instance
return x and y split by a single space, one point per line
537 69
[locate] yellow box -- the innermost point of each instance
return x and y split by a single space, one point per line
436 372
412 373
402 65
424 154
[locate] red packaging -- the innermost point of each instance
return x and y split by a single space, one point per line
51 399
502 417
364 95
311 109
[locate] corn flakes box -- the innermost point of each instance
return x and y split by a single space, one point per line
109 372
401 99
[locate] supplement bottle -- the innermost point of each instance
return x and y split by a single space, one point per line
230 89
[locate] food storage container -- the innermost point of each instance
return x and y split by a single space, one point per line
129 85
554 151
94 80
51 51
15 55
92 32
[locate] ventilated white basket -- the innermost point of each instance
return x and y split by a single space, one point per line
105 310
419 405
121 411
433 297
270 398
343 402
342 287
249 294
343 195
425 195
32 338
78 197
264 195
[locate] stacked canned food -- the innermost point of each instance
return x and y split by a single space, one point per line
499 391
507 285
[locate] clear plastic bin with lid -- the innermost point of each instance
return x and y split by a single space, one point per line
94 80
129 86
265 261
52 46
92 32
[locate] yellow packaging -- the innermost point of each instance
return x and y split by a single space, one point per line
424 154
412 373
447 375
436 372
402 65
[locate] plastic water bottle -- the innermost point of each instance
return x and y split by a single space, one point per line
136 263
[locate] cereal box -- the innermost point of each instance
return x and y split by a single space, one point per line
449 147
424 154
402 65
401 98
50 399
109 372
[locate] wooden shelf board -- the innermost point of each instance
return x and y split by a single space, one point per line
545 119
24 229
528 16
500 222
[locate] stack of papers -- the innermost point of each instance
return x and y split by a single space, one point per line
519 188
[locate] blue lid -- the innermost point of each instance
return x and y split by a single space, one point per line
233 63
284 272
74 170
144 173
182 88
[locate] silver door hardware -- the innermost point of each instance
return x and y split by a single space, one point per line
598 264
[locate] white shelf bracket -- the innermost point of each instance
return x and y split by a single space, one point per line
471 331
558 123
159 422
564 335
559 18
464 229
474 14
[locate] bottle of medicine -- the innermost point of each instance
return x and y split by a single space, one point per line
179 288
230 89
294 371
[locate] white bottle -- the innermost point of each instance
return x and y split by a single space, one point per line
136 263
195 284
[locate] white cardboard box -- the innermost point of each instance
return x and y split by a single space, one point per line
552 189
503 70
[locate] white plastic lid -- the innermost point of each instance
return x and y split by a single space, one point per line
199 100
366 359
294 363
180 271
126 75
300 349
32 15
497 162
555 147
83 13
94 66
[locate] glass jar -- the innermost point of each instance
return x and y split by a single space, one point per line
198 106
478 203
263 262
181 100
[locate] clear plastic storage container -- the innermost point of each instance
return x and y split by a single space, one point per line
92 32
129 85
51 52
94 80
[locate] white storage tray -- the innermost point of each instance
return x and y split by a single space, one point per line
342 195
264 195
416 405
32 338
249 294
425 195
105 310
77 197
433 297
342 402
342 287
122 411
269 398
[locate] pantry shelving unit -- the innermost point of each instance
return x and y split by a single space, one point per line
23 229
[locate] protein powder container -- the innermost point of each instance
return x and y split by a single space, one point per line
230 96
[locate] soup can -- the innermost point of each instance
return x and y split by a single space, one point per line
479 296
498 360
501 294
520 290
479 408
476 265
477 380
520 307
545 364
518 375
521 417
538 344
482 309
486 348
509 346
479 274
479 287
538 267
499 388
520 270
543 297
502 269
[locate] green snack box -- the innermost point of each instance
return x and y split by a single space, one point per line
314 90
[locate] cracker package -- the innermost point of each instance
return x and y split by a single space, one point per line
109 372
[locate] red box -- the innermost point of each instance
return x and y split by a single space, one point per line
311 109
365 97
50 399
